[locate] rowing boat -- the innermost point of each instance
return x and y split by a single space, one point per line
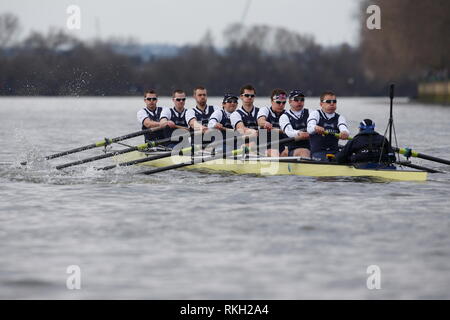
278 166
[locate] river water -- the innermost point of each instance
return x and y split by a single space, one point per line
190 235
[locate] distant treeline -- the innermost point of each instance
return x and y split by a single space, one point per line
59 64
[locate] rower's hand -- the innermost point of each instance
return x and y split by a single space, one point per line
319 130
201 128
303 135
267 126
218 126
251 133
343 135
171 124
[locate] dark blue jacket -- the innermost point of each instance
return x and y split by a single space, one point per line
366 147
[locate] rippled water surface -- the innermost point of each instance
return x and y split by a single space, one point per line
191 235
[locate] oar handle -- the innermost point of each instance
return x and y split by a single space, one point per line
131 135
337 135
225 129
180 127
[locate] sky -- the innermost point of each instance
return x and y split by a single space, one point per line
183 22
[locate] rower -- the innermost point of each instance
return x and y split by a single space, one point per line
269 119
175 117
198 117
220 119
148 117
368 148
294 122
243 119
323 121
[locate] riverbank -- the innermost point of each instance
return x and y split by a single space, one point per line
436 92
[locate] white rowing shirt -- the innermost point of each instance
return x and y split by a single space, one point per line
217 117
236 117
168 115
145 113
285 123
314 118
191 114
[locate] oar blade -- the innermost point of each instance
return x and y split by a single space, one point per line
100 143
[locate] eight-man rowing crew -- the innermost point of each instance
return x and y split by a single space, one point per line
316 133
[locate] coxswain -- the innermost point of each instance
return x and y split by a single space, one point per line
269 119
368 148
322 126
294 122
148 117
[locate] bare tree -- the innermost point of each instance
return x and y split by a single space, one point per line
9 29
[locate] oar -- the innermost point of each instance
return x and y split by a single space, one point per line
154 157
414 166
101 143
103 156
161 155
337 135
411 153
115 153
230 153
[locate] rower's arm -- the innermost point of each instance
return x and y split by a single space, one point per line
150 123
313 119
261 121
342 124
243 130
164 117
240 128
163 122
286 126
262 118
193 123
143 119
214 120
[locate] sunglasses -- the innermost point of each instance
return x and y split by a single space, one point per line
280 102
299 99
329 101
248 95
180 99
231 101
151 99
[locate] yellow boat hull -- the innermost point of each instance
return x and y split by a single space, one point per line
264 167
